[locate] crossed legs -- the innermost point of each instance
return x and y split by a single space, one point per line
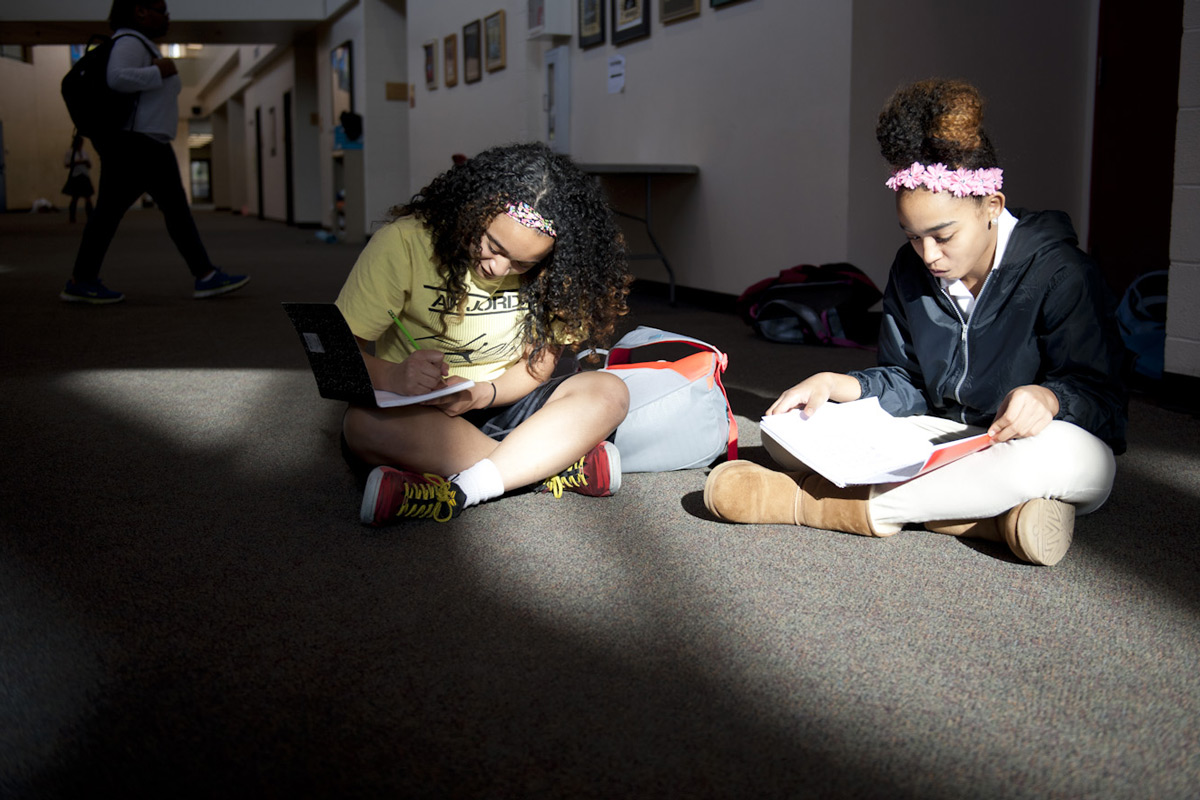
582 411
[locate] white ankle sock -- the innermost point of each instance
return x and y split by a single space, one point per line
479 483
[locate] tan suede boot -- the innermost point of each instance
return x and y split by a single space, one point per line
742 491
1038 531
826 505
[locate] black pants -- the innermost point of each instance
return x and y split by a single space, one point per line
133 163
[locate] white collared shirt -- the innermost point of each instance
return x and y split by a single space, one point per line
957 290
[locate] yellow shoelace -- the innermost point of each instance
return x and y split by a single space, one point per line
434 500
573 480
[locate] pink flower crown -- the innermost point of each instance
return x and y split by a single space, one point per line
940 178
524 214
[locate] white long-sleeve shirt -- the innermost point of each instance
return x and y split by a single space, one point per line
131 69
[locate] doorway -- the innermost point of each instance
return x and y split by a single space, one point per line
258 158
289 182
3 190
1137 99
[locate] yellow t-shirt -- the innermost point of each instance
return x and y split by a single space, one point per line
396 271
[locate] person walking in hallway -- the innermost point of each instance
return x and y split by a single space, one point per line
139 159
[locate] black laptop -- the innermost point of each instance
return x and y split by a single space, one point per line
337 363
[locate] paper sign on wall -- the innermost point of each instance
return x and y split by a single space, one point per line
616 74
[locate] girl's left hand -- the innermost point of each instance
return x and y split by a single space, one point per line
461 402
1026 411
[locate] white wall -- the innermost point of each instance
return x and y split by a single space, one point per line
384 58
346 27
756 94
306 139
468 117
776 102
1183 323
239 178
222 176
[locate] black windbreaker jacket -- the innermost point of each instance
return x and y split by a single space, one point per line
1044 317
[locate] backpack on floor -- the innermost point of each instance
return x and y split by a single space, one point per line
95 108
679 416
1142 320
825 304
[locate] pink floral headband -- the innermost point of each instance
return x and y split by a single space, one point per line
939 177
524 214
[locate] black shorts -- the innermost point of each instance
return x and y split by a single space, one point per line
499 422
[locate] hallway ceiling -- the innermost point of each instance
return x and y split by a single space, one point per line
279 32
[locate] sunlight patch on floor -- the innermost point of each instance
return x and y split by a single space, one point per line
209 410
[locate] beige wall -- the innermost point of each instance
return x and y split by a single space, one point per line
1183 323
37 128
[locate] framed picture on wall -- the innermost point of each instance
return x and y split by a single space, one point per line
431 64
674 10
631 20
591 22
494 39
450 57
472 52
343 81
537 16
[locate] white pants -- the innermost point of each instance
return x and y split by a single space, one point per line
1063 462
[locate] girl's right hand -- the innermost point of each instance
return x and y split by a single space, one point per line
421 372
815 390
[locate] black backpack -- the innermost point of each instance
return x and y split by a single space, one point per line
94 107
826 304
1142 320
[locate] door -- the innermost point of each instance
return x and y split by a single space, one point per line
258 158
289 182
3 191
1133 145
556 101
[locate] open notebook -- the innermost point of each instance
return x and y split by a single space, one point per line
860 443
337 363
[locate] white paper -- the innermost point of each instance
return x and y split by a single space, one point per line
616 74
391 399
852 443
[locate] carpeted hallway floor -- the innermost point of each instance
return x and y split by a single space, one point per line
190 609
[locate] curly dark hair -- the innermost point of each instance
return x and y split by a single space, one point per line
935 121
580 286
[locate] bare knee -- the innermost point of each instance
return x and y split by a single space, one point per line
608 394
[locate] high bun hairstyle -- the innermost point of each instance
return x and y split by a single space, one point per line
935 122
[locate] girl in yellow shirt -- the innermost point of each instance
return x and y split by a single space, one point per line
487 275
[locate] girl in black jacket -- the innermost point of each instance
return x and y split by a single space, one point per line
993 321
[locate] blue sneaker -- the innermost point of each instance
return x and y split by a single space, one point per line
219 283
93 292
